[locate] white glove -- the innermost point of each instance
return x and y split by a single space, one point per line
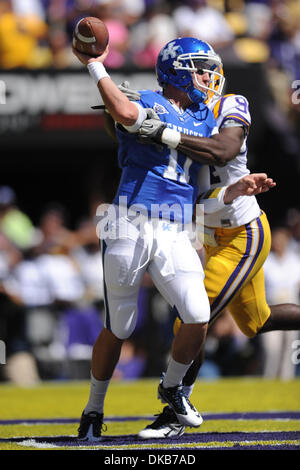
132 95
152 128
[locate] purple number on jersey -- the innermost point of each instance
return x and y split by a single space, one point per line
243 104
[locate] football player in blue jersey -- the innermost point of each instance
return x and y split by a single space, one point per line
161 183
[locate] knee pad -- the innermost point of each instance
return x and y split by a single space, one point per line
194 307
121 317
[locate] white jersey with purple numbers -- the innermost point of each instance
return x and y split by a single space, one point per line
155 177
232 110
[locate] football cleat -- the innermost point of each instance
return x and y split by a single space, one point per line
165 425
185 412
91 425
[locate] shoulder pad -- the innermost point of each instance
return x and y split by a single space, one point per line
232 106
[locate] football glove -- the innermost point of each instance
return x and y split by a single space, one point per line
132 95
151 129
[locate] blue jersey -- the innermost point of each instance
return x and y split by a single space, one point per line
156 177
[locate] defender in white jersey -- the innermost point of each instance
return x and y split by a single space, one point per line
241 237
239 241
232 111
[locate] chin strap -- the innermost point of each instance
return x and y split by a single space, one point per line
196 96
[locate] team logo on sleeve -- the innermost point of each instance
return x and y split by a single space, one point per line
160 109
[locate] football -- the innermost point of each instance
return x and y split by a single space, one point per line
90 36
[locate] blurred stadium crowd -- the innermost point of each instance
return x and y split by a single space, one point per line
51 295
52 300
38 33
52 305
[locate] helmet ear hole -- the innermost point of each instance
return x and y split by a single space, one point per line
172 72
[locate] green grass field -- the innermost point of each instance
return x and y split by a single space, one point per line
129 407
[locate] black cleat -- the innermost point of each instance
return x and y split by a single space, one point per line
91 425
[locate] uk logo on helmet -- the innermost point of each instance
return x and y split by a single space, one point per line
170 51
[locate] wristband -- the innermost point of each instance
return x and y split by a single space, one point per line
140 119
171 138
97 71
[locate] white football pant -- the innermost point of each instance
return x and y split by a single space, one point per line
165 251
